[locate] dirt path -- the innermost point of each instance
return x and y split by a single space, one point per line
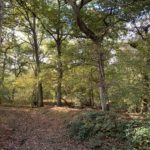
36 129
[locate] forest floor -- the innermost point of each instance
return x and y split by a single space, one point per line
37 129
26 128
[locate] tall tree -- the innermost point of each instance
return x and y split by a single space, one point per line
1 23
142 31
31 18
55 21
97 35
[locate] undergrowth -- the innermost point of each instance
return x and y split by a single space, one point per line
110 131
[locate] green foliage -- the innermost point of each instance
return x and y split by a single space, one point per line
138 134
24 87
4 94
96 123
127 75
97 126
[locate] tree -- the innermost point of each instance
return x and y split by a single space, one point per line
97 35
1 21
55 21
142 46
31 18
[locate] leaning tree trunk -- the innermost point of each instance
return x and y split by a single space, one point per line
60 74
39 91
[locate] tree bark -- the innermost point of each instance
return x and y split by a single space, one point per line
60 73
1 22
39 95
4 66
102 83
91 90
1 18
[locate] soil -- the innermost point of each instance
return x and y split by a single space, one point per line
37 129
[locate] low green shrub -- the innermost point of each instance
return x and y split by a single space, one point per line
96 123
138 135
105 126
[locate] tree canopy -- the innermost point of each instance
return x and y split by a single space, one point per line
82 53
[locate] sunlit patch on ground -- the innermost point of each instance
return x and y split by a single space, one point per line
64 109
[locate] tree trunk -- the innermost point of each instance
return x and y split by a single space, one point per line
13 94
39 95
144 106
60 74
91 90
102 84
145 103
4 66
91 97
1 22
